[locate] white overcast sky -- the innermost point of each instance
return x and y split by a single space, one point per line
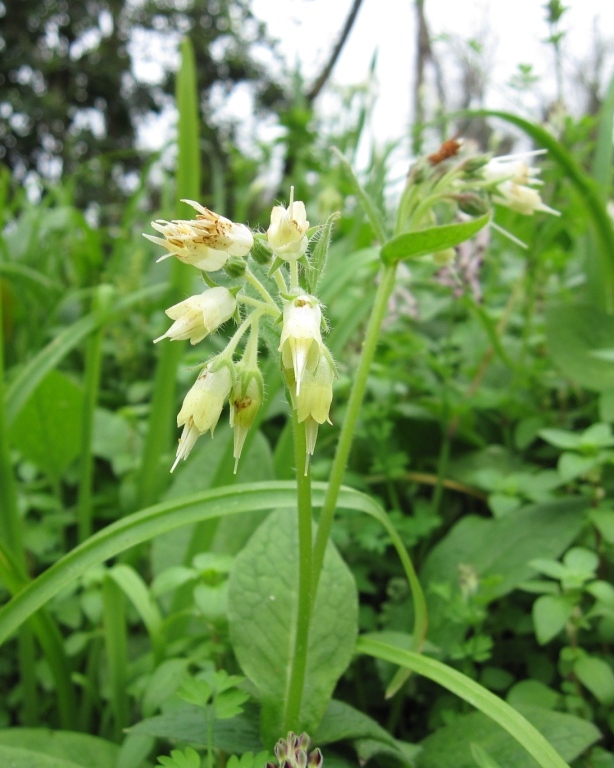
511 31
516 29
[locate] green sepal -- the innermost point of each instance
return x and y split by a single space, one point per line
412 245
261 253
320 252
277 263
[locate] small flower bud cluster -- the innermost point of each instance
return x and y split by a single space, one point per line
456 182
214 244
291 752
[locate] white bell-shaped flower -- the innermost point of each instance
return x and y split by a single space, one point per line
197 316
301 339
287 232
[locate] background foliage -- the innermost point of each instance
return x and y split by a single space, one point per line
486 435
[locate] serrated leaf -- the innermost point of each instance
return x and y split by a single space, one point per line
411 245
181 759
262 609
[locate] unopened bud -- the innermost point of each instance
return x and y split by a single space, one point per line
472 203
235 266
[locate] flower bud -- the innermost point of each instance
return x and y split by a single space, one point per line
443 258
245 401
200 315
202 406
471 203
301 340
261 252
286 233
235 267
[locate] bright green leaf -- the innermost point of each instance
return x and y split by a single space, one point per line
411 245
48 429
262 613
44 748
550 614
596 675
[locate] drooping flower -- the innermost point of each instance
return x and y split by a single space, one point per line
316 395
202 406
197 316
287 232
205 242
514 183
521 198
312 403
245 401
301 339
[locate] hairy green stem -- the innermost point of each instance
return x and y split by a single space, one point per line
251 278
384 289
296 682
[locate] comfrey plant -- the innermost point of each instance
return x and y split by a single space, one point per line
212 243
295 638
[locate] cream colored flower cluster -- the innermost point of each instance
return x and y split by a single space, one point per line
221 249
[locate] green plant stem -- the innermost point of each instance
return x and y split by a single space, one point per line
93 363
10 523
296 683
280 280
384 289
293 275
251 278
11 537
249 301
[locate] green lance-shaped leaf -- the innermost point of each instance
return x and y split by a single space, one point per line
473 693
412 245
24 384
262 597
161 518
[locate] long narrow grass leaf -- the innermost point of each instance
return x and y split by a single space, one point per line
24 384
161 518
471 692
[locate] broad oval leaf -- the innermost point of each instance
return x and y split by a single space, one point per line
411 245
262 610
